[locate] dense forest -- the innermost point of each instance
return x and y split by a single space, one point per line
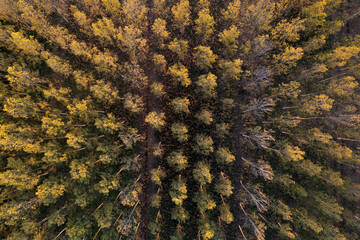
180 119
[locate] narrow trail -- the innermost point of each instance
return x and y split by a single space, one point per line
150 161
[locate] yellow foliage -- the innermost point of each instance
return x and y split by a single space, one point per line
205 117
318 103
156 120
80 49
231 69
82 79
78 170
317 135
228 38
341 56
207 84
133 43
204 57
178 191
133 102
80 18
108 124
21 180
180 73
291 89
343 87
53 126
60 94
104 92
180 47
112 6
56 63
159 29
20 107
49 191
157 89
135 12
232 12
160 62
287 31
181 14
27 45
74 141
21 77
288 59
104 28
293 153
204 24
180 105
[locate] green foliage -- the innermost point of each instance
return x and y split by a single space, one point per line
204 201
269 140
226 214
157 175
223 155
180 47
205 116
231 69
180 131
204 144
207 84
202 173
223 186
178 191
177 160
179 214
180 105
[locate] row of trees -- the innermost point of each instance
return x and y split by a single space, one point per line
177 119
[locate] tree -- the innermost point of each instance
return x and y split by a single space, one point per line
266 150
228 38
204 144
180 105
204 57
156 120
181 15
159 30
202 173
180 47
204 201
178 191
205 116
180 74
223 155
204 24
207 84
177 160
223 186
180 131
